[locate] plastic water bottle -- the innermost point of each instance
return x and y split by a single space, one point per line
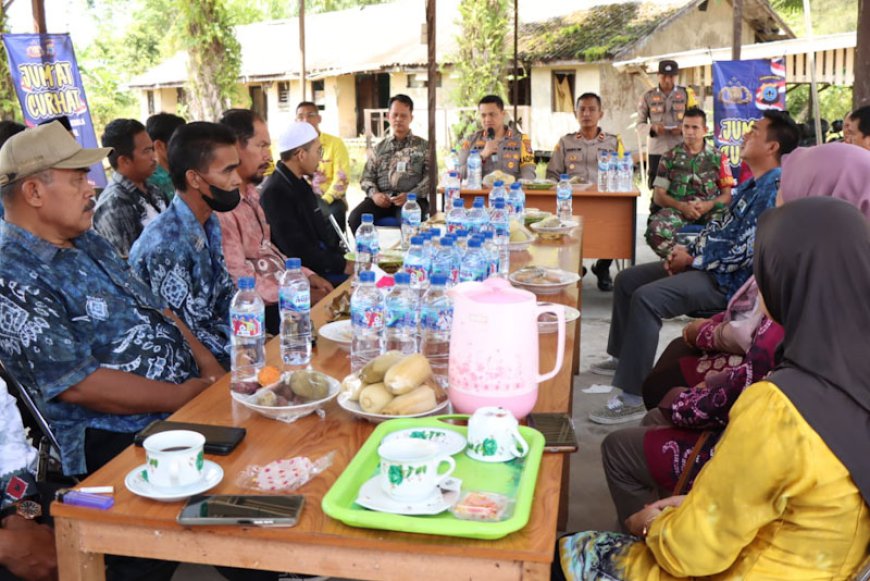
453 162
367 245
603 166
416 265
474 264
294 305
451 188
516 201
402 315
411 218
460 240
456 217
477 217
626 173
497 192
613 173
247 321
474 181
367 320
490 249
436 318
502 230
564 202
444 262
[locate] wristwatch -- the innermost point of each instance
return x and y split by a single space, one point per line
26 509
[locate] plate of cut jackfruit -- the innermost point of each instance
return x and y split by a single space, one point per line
393 385
294 395
521 237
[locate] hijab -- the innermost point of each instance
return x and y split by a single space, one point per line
812 266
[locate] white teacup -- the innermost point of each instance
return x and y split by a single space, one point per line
174 458
409 468
494 436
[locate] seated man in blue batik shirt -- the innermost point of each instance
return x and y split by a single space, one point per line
702 277
99 351
180 254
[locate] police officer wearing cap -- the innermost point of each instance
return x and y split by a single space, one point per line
660 114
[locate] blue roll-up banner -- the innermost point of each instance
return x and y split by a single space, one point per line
48 85
742 92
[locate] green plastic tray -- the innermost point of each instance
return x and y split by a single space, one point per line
515 479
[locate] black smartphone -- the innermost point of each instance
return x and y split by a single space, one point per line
558 431
220 440
242 509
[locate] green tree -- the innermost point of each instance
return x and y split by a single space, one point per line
482 55
214 57
9 108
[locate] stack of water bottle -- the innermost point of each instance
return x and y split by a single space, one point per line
615 172
247 320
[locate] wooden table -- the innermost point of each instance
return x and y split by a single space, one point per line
318 544
609 223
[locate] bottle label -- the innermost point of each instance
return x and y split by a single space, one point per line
453 227
436 319
398 318
413 220
299 302
502 229
418 274
368 317
248 325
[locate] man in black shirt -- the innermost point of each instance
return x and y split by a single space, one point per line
299 228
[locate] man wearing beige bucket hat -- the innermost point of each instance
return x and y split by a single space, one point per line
98 351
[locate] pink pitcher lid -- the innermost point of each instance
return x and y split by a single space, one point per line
496 291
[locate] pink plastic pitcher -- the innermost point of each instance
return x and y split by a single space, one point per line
494 347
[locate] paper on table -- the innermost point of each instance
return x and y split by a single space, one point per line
598 388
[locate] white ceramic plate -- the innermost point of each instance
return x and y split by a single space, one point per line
565 279
289 411
353 408
517 246
553 231
549 325
137 484
373 497
448 441
340 332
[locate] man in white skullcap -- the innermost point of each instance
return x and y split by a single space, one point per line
298 225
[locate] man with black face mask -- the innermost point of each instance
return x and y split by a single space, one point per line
179 254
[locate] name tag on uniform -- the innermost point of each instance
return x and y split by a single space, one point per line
402 166
494 158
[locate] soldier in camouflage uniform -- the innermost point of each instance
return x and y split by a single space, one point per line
500 147
693 185
576 154
398 166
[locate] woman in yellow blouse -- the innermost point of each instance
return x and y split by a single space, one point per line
785 495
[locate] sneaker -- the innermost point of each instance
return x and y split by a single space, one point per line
617 412
606 367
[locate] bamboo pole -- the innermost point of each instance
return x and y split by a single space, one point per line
302 75
814 88
431 86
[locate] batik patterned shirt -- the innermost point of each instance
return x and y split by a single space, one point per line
123 211
398 167
67 312
183 261
726 245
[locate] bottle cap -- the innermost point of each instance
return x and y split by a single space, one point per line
499 203
412 197
435 232
453 174
368 218
438 279
515 186
478 202
446 242
488 235
402 278
563 177
474 243
367 276
246 283
293 263
461 233
497 183
458 203
416 240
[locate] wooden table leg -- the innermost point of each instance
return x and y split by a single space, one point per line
562 520
72 563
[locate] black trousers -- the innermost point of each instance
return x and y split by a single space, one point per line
368 206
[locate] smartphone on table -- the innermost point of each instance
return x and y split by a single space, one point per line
220 440
558 431
243 509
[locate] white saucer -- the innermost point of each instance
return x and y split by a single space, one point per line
448 441
136 483
373 497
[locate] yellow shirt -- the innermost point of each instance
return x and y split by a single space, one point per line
335 159
773 503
